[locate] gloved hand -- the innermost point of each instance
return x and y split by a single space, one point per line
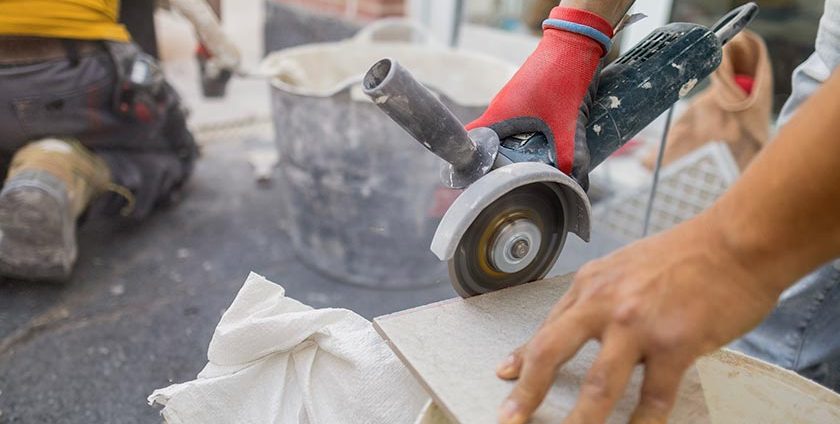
546 95
581 164
215 74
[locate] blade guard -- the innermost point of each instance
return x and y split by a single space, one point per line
491 187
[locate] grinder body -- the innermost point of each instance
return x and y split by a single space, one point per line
644 82
510 224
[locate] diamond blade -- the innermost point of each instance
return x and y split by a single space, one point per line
513 241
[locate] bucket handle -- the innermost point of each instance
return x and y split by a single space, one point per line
370 31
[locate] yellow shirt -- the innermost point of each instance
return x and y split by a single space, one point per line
73 19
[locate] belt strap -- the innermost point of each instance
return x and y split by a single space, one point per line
27 50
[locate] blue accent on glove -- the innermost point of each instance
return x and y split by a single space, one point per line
600 37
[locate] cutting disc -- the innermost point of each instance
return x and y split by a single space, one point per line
513 241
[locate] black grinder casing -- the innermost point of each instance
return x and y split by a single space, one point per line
647 80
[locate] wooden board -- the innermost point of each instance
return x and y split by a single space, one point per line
453 348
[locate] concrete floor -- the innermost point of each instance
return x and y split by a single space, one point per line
140 310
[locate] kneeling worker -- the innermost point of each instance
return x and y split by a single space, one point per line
84 115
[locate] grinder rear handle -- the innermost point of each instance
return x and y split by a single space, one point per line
734 22
649 78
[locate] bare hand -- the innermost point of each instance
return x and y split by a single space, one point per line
663 301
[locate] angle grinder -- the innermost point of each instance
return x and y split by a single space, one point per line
510 224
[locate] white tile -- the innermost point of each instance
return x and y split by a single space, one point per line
454 346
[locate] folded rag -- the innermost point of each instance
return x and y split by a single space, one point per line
273 359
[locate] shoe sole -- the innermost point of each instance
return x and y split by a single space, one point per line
37 231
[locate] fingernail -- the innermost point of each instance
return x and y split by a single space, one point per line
506 366
509 413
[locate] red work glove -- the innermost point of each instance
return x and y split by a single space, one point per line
546 94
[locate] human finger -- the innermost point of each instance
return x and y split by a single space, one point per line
509 368
659 392
554 344
607 378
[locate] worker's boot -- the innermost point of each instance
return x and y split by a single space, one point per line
49 184
735 109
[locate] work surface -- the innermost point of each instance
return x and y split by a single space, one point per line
453 348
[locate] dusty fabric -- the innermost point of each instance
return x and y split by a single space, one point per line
152 159
275 360
725 112
801 333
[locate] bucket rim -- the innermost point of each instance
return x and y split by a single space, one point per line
267 65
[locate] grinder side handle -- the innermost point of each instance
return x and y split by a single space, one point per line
411 105
415 108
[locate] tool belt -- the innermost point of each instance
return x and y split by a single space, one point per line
141 93
27 50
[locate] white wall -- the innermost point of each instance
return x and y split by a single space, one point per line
658 12
438 16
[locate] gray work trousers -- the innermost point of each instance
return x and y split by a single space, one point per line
74 97
803 333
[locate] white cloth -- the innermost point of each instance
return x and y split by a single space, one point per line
273 359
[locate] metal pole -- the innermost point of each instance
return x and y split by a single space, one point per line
656 171
457 22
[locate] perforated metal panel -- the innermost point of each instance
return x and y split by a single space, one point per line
686 188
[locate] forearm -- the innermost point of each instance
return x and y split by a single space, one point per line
611 10
782 219
209 29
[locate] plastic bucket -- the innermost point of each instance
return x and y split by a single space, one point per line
363 197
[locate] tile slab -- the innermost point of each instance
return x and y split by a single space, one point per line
453 346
